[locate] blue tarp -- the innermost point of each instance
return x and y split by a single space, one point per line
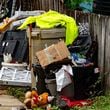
86 6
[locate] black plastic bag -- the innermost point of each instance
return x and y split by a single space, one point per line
81 45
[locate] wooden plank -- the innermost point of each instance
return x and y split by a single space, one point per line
43 4
95 25
51 4
107 54
30 47
91 24
57 2
106 44
103 45
47 5
33 79
55 33
59 6
98 38
55 5
40 4
35 5
99 29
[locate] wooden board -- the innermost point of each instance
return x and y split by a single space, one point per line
39 39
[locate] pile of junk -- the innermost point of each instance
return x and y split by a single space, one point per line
65 72
14 50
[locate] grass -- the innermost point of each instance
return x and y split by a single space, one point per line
18 92
100 103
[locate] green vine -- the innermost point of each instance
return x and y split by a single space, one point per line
73 4
17 92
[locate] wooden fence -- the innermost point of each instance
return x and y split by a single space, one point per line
100 31
40 5
100 28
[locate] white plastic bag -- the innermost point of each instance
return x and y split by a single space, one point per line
63 77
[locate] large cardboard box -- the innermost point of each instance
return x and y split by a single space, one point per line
53 53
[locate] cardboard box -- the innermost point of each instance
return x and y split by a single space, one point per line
53 53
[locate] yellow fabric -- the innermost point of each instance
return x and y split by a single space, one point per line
52 19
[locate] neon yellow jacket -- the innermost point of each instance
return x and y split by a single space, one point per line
52 19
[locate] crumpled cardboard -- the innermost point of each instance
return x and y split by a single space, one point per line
53 53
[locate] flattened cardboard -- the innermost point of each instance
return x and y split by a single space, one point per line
53 53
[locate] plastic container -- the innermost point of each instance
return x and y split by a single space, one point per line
68 91
51 85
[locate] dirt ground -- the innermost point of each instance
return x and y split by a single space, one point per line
3 90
